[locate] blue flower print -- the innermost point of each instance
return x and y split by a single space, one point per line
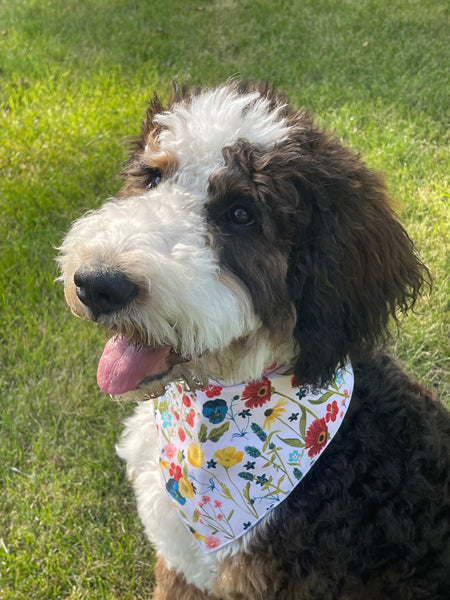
254 452
293 417
259 432
166 418
294 456
245 413
215 410
172 488
246 475
339 378
249 465
211 464
298 474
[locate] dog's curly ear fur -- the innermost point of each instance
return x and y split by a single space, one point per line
352 264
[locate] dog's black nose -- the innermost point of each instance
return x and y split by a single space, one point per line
104 292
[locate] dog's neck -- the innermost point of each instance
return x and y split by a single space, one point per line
245 360
231 453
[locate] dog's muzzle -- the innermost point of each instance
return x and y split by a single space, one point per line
104 291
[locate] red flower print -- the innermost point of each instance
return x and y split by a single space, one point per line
332 411
190 417
219 516
175 471
186 401
212 390
181 434
217 503
257 393
206 499
316 437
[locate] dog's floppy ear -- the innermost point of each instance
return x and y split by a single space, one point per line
352 264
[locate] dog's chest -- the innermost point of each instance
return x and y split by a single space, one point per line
230 454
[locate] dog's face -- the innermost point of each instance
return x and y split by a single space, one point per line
244 236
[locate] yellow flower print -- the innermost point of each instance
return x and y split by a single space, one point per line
185 488
274 413
195 455
229 456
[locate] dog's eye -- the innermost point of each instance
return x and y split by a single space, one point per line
241 216
156 177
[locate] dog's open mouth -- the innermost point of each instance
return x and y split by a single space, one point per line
124 366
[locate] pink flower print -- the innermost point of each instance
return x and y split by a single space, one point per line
206 499
219 516
170 450
212 542
217 503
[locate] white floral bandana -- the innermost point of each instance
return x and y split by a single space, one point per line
229 454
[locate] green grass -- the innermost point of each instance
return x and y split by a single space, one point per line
74 80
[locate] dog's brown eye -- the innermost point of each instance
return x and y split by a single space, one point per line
241 216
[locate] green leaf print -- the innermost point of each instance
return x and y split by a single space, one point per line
303 423
294 442
269 438
203 434
323 398
246 492
216 433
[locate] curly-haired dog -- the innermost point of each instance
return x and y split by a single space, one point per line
247 275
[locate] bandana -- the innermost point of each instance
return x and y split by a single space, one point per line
230 454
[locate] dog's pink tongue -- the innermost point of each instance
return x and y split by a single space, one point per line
123 366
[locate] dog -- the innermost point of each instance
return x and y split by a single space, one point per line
247 275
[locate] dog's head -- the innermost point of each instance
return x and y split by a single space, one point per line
244 235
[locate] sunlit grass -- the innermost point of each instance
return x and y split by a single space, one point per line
74 81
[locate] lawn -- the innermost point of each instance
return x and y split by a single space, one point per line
75 76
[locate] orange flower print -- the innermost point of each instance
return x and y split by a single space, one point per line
316 437
257 393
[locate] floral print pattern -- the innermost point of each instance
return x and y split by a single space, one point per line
228 454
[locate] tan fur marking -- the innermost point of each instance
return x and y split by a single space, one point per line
172 586
244 577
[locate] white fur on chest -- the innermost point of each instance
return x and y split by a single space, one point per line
139 447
